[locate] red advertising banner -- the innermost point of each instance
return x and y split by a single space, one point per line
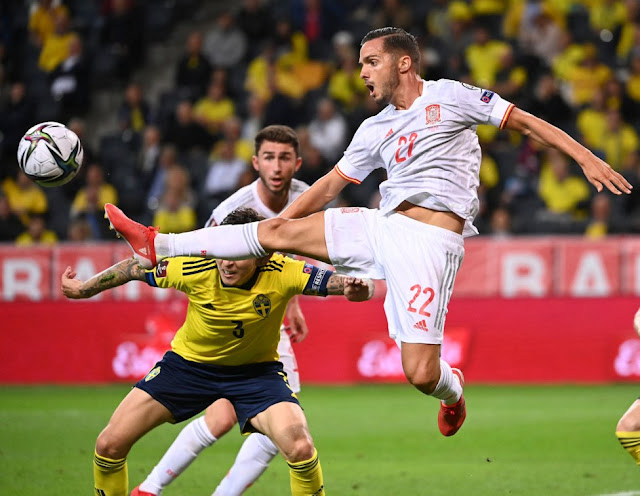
518 340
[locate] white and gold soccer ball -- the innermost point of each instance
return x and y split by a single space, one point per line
50 154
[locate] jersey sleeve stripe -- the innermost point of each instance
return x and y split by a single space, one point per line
345 177
506 116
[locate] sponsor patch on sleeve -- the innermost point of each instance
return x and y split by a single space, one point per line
161 269
487 96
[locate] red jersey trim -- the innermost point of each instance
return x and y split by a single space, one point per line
503 123
345 177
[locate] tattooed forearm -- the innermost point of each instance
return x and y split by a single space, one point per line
335 285
116 275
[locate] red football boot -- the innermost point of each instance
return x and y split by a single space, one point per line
451 417
138 492
138 237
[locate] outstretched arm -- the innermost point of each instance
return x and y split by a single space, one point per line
323 191
597 172
116 275
353 288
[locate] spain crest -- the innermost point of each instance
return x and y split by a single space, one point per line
433 113
262 305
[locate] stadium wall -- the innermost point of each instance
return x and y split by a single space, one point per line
530 310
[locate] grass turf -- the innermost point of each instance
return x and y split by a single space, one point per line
372 440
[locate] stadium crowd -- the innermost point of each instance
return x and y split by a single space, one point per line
170 161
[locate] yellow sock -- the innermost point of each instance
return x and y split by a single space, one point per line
306 477
631 442
111 477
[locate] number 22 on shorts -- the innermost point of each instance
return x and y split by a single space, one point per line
418 291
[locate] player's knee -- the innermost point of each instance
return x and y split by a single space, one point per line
300 450
110 446
423 376
220 420
628 424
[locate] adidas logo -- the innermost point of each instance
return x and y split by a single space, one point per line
389 133
143 251
421 326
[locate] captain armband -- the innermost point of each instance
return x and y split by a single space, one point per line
318 280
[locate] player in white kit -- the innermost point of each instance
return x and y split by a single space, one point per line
425 139
276 160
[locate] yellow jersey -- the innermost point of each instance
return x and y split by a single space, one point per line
228 325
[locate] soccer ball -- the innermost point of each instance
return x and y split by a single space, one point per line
50 154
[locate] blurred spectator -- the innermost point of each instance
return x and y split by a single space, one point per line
149 154
587 77
93 213
569 57
25 197
70 83
10 224
592 120
106 193
225 45
392 13
254 120
511 78
549 104
134 113
214 108
345 84
254 19
17 116
317 20
167 161
184 132
314 166
601 220
122 36
56 46
174 215
328 130
563 193
630 32
500 225
42 19
632 87
37 233
225 175
541 36
618 140
483 57
194 69
267 79
79 230
232 134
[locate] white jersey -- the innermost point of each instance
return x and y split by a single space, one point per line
430 151
248 197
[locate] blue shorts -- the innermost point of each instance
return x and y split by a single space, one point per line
186 388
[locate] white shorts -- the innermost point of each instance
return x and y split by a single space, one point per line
288 359
418 261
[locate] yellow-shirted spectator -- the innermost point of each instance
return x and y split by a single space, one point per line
56 47
489 172
570 56
489 7
42 19
607 14
517 10
587 77
37 233
632 86
345 84
214 108
510 78
561 192
592 120
105 192
483 57
174 215
25 197
618 140
232 131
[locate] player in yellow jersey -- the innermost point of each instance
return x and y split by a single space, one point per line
226 348
628 428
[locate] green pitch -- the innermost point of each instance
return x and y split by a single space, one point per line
372 440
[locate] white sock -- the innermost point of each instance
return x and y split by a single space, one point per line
230 242
252 460
194 438
448 388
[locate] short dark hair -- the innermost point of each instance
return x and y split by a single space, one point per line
242 215
397 41
278 134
